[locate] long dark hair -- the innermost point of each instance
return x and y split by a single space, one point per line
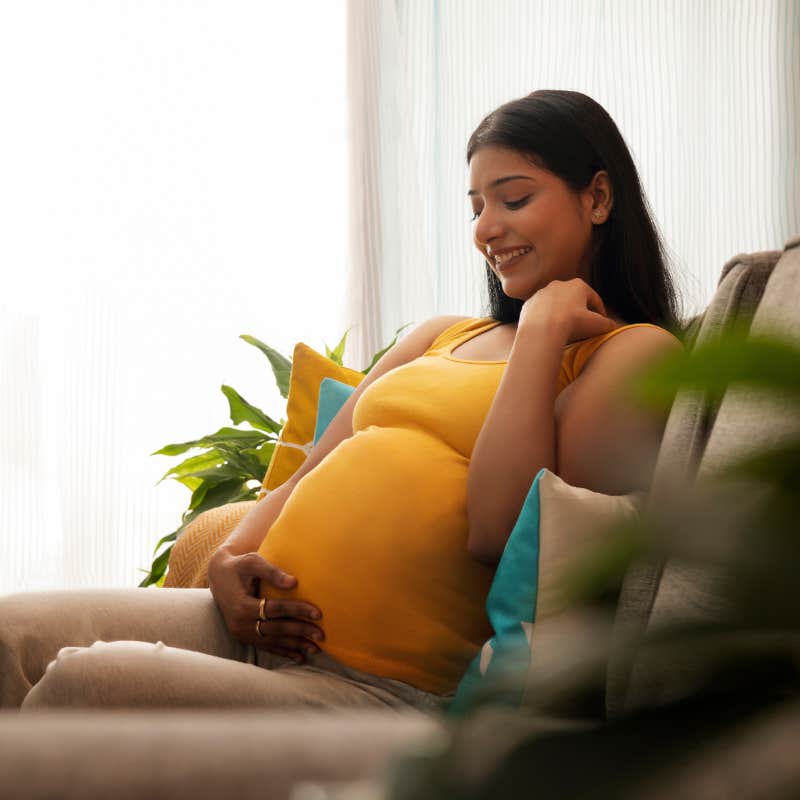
573 136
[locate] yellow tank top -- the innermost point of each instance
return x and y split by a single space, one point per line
376 533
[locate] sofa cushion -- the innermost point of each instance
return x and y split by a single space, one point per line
558 528
200 754
297 437
333 395
676 593
741 286
747 419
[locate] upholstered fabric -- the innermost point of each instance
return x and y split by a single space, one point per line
746 419
202 754
755 287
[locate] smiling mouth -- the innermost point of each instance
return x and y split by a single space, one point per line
507 260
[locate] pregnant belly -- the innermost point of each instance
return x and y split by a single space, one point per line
380 548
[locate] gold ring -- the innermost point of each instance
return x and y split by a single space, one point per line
261 608
258 627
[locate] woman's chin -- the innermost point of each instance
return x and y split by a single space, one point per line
516 289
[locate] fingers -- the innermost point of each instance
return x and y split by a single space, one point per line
285 630
252 565
297 609
594 301
289 639
596 305
286 627
277 608
289 646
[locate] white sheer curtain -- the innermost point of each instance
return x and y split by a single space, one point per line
174 174
707 96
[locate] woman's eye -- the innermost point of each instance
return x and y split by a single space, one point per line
514 204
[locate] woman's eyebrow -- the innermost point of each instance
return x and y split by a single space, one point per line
503 180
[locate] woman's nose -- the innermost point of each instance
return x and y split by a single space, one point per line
489 226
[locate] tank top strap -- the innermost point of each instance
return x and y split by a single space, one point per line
576 354
453 335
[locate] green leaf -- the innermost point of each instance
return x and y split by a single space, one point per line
157 570
190 483
732 358
198 494
170 537
247 493
210 496
281 366
380 353
263 453
216 475
330 354
244 464
190 465
779 466
242 411
224 436
597 574
338 352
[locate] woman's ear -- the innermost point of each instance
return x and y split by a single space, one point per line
603 192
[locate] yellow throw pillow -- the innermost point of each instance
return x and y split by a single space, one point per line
297 437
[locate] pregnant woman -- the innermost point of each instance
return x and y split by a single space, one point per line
362 579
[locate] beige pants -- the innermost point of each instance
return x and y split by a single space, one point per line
140 648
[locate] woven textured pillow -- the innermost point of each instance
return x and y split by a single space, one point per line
188 561
556 527
297 437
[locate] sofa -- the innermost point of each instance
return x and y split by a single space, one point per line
545 747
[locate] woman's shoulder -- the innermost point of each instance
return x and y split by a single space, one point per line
577 354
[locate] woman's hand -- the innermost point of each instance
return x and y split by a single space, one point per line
234 581
572 306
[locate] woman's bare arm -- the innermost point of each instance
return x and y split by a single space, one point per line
591 434
605 441
517 439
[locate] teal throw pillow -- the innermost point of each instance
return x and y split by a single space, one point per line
333 395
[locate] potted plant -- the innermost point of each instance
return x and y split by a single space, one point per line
234 460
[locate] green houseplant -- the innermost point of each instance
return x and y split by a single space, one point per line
234 460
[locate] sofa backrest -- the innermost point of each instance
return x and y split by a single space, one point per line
699 438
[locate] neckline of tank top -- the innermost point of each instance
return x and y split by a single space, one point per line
448 352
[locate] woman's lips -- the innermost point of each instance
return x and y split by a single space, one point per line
511 261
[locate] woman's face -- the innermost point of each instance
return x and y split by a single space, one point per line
519 206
